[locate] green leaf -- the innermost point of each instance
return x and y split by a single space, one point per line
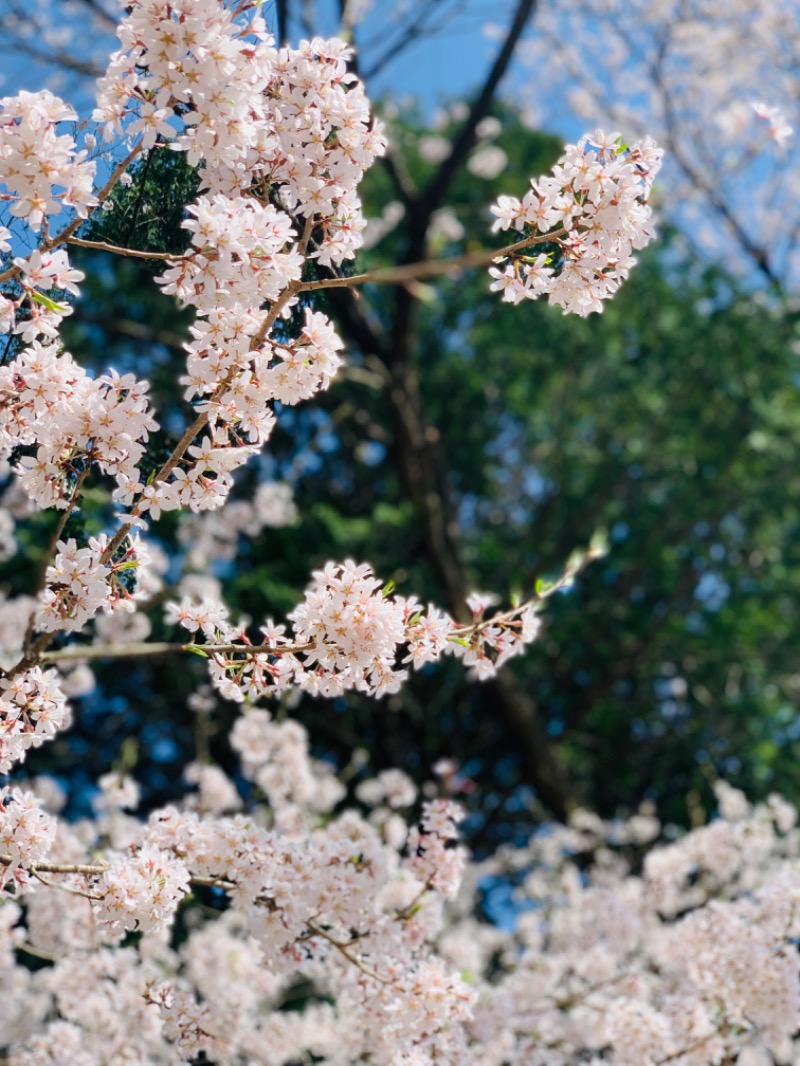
51 305
195 649
599 545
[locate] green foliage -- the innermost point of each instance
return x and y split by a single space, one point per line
146 215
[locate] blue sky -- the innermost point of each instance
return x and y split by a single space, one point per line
435 69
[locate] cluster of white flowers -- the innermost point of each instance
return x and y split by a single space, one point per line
293 124
185 1023
333 902
41 270
676 964
26 834
326 139
345 904
778 128
352 631
611 961
390 786
241 248
243 383
77 587
188 58
140 893
32 708
435 858
80 583
275 757
15 616
593 211
488 643
349 632
47 399
41 169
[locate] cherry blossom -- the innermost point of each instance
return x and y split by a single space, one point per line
32 708
594 209
41 168
187 930
26 833
350 632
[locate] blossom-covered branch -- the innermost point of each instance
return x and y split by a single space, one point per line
348 897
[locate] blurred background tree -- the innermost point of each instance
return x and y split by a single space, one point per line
471 445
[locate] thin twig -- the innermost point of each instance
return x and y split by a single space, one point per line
29 949
431 268
57 867
73 891
104 246
344 949
77 222
80 652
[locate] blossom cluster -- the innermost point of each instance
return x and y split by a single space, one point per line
333 901
77 587
40 272
592 212
50 401
350 632
32 708
26 834
435 857
778 128
275 757
623 950
694 960
283 887
285 137
39 167
140 892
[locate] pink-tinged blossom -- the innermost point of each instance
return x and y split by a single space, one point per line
49 270
593 208
27 834
779 129
433 858
208 616
8 311
390 786
141 892
275 757
32 708
353 631
76 587
350 633
40 168
47 399
117 790
186 1024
